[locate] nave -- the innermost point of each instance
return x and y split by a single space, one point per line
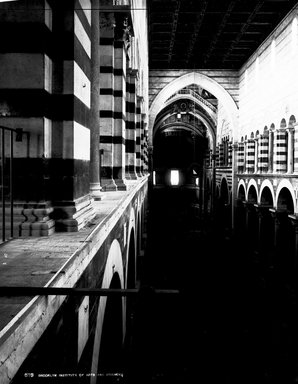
234 320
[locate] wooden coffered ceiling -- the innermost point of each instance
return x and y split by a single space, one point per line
210 33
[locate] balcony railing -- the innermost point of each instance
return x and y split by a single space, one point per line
121 2
195 95
7 138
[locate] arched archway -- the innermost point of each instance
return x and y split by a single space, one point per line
266 197
223 205
284 232
240 213
111 346
285 200
252 223
194 78
131 264
292 121
241 193
266 223
113 277
224 191
252 195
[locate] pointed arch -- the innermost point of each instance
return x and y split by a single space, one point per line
205 82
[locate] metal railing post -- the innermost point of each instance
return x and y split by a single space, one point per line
11 183
2 182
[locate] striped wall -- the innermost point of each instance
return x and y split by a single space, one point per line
131 115
217 163
45 70
120 78
280 151
240 157
221 154
106 105
138 136
296 148
230 153
263 158
250 155
74 62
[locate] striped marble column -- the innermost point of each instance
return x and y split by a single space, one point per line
217 156
240 157
230 153
290 147
143 116
207 158
221 154
256 168
263 156
296 148
280 151
270 149
95 187
138 136
130 140
120 63
211 158
106 104
250 156
146 158
70 174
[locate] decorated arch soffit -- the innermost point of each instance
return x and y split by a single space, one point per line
200 121
160 101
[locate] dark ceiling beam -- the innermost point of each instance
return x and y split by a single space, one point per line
247 13
199 21
252 23
219 31
243 29
174 29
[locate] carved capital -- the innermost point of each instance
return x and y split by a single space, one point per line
107 21
123 30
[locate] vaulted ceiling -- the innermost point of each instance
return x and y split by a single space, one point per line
210 34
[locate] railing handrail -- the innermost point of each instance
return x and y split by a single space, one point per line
64 291
196 95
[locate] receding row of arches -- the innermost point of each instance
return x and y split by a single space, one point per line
266 224
282 125
114 312
282 198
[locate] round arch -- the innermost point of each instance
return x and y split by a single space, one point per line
252 184
205 108
131 261
286 184
207 121
183 81
114 265
131 227
224 191
241 184
266 184
292 121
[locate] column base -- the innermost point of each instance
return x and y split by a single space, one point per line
108 185
71 216
29 219
121 186
95 191
131 176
